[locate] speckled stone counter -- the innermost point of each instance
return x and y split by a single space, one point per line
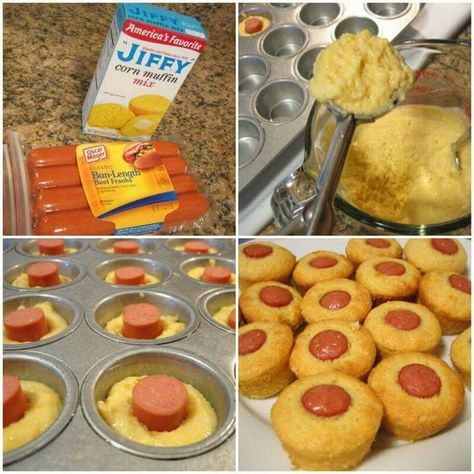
50 55
346 225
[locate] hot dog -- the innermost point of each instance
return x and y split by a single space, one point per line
196 246
275 296
130 276
142 321
51 246
335 300
14 400
216 274
43 274
26 324
126 246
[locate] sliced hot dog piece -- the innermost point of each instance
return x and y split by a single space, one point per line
253 25
328 345
257 251
51 246
159 402
126 246
196 246
231 319
323 262
26 324
460 283
275 296
378 243
326 400
77 222
419 380
216 274
335 300
390 268
130 276
15 402
43 274
251 341
142 321
446 246
403 319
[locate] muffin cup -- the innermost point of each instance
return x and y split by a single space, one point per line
187 367
191 263
210 303
219 244
110 307
27 247
102 245
57 375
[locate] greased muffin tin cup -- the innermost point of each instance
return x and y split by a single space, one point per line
388 453
218 244
203 352
68 268
30 247
209 304
275 67
102 245
56 374
202 374
194 262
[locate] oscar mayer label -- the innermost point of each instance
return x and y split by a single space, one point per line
147 55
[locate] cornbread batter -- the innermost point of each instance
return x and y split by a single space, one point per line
242 29
67 251
222 316
111 251
401 167
149 279
361 74
116 409
180 248
44 407
21 281
171 326
56 323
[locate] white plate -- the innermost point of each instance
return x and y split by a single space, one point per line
450 450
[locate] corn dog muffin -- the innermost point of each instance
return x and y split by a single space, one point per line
271 301
264 350
358 250
320 266
333 344
461 355
327 421
448 295
398 326
421 394
436 254
264 261
388 278
339 299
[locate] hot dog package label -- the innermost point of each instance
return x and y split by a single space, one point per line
147 55
126 184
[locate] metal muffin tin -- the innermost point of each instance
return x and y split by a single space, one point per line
69 310
68 268
55 374
194 262
28 247
202 374
275 67
210 303
209 350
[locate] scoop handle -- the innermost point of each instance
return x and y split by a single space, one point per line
319 213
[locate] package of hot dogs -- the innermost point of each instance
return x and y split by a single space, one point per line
117 188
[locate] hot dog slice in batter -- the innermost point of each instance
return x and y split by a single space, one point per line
43 274
216 274
232 319
126 246
196 246
142 321
51 246
26 324
130 276
159 402
15 402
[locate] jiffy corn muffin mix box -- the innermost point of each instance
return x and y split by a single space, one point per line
148 53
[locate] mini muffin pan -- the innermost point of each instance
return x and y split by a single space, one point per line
203 354
30 247
275 67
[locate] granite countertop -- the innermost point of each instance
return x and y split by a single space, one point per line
50 55
346 225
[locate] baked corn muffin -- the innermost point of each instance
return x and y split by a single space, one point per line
264 261
333 344
436 254
340 299
327 421
388 278
398 326
448 295
461 355
358 250
271 301
264 350
320 266
421 394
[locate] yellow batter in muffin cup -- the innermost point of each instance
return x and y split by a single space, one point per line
320 266
333 344
264 350
327 421
398 326
358 250
461 356
339 299
421 394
